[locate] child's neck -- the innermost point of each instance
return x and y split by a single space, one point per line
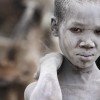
71 74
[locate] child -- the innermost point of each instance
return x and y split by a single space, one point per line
77 25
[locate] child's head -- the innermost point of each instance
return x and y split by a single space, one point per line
77 24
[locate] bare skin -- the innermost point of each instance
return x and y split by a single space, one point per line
47 76
79 39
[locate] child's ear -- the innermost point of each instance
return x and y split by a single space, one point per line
54 26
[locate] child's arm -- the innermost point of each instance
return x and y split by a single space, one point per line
47 87
49 64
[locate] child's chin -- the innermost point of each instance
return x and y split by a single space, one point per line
84 65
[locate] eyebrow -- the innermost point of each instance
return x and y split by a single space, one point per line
78 24
81 24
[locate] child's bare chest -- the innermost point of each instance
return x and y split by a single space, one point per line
79 85
81 92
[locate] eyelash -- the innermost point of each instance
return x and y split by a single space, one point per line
80 30
76 30
97 31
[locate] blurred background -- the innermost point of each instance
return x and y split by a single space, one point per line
25 37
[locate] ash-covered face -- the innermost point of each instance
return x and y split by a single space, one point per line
79 36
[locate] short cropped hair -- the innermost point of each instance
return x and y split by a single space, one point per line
60 8
63 7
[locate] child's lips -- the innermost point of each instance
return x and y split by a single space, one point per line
85 57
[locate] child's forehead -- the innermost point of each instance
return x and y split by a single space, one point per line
85 14
87 11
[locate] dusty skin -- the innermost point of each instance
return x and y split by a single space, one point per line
79 40
48 76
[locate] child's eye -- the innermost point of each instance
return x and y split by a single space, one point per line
76 30
97 31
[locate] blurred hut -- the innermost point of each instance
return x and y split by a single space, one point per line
25 36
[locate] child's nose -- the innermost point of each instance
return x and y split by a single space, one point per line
87 44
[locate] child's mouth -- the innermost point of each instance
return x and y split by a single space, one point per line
85 57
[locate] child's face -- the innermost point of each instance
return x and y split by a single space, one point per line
79 36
